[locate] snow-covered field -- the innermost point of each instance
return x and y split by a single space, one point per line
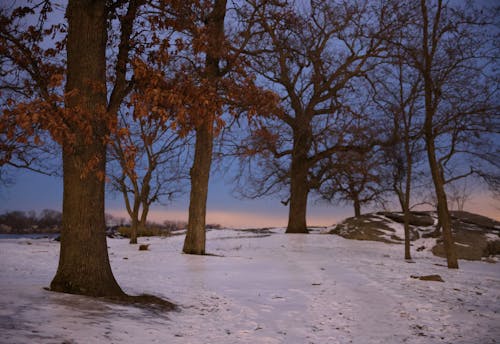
277 288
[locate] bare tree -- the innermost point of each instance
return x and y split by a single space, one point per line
459 193
354 178
452 53
397 93
150 159
316 57
450 50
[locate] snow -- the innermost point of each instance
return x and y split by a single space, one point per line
399 230
257 288
491 236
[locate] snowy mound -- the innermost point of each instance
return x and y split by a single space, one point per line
476 236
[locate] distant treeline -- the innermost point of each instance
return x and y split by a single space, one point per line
49 220
21 221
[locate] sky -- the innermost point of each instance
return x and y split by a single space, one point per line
36 192
33 191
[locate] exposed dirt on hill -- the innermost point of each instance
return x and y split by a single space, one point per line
476 236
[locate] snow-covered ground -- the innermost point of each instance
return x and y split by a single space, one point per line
277 288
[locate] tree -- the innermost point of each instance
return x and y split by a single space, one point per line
49 218
452 52
459 193
80 120
19 152
189 86
398 91
84 263
353 178
20 47
316 57
150 158
18 220
200 171
202 81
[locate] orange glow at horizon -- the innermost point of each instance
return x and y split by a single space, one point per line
232 219
480 204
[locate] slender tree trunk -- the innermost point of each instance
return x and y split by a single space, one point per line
142 222
406 219
357 207
442 203
141 227
144 216
407 196
200 173
133 213
442 206
404 202
134 229
299 186
84 266
430 42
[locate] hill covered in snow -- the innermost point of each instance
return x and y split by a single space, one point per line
476 237
256 287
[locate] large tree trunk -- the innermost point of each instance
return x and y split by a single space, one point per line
298 199
200 173
299 186
84 266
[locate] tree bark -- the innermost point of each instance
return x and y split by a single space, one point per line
406 215
133 230
404 202
299 186
442 207
431 91
84 266
407 196
357 207
200 173
406 219
194 242
144 216
133 212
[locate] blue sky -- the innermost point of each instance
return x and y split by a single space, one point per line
33 191
37 192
